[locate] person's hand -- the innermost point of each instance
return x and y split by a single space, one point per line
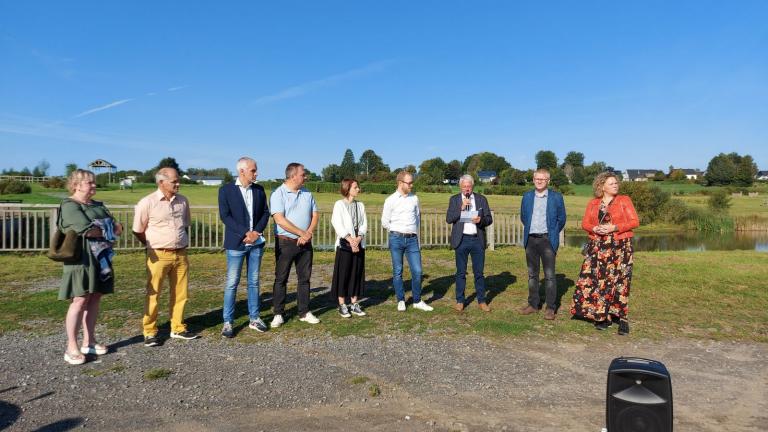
476 219
94 232
118 228
465 202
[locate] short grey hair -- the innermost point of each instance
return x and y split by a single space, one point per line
291 169
162 174
243 163
467 178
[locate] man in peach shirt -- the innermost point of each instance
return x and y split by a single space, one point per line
160 222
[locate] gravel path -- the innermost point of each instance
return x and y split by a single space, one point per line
520 384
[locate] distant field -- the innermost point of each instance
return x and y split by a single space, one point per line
575 204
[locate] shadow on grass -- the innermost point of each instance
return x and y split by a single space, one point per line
562 283
318 304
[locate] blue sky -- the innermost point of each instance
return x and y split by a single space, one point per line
635 84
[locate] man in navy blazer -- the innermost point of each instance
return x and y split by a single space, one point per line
542 213
468 239
243 209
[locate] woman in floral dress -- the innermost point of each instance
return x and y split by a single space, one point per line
602 291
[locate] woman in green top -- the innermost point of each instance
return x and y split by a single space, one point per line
80 282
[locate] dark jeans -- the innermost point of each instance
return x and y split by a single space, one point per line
540 251
288 252
470 246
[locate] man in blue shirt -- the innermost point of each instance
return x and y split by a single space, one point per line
243 209
542 213
295 213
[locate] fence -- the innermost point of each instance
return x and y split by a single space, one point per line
29 228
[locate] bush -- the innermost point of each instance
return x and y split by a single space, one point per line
719 201
649 200
505 190
710 222
434 188
55 183
12 187
675 212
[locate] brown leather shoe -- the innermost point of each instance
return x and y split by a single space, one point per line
549 314
484 307
459 307
527 310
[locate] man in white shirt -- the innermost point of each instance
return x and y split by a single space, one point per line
401 216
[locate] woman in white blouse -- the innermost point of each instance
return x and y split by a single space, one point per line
350 224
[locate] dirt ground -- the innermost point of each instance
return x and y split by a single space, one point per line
425 384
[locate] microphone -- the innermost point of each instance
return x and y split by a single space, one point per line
469 206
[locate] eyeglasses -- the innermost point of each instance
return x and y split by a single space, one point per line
408 183
541 179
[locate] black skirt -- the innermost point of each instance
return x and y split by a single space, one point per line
348 274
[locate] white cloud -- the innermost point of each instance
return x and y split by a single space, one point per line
304 88
103 107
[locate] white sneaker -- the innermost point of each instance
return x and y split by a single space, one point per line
277 321
423 306
401 306
309 318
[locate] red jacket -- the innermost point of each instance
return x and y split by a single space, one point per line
622 213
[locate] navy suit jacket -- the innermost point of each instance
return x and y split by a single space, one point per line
453 215
235 216
555 216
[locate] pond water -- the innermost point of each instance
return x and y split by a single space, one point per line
690 241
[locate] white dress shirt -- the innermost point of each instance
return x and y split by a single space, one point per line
401 213
469 227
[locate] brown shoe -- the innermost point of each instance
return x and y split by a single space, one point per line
484 307
459 307
527 310
549 314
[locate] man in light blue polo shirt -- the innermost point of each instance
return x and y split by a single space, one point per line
295 213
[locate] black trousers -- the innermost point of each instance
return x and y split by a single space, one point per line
288 252
539 251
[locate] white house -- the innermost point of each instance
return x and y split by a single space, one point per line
205 181
639 174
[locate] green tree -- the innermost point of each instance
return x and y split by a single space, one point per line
484 161
677 175
546 159
41 169
558 177
332 173
746 170
371 164
721 170
169 162
348 168
574 159
431 171
512 176
453 170
70 168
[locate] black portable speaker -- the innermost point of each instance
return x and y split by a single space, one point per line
639 396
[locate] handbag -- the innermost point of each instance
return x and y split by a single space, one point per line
65 247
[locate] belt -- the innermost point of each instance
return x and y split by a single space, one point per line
469 235
169 249
283 237
538 235
399 234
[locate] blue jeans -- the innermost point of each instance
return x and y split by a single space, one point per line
470 246
235 260
408 246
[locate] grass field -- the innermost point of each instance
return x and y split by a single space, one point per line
717 295
575 204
